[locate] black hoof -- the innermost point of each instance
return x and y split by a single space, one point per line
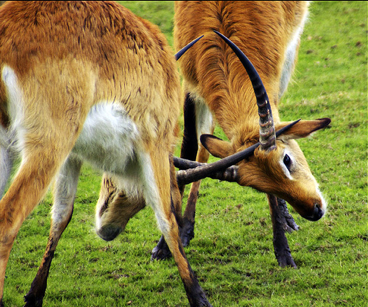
283 222
282 250
285 259
161 251
32 301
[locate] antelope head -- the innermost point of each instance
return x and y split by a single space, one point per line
275 165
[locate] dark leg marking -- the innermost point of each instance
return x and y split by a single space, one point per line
189 147
289 223
189 150
280 224
34 297
195 293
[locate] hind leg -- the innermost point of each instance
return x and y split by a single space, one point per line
47 121
189 149
26 191
197 120
161 250
64 194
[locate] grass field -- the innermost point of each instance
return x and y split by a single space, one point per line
232 252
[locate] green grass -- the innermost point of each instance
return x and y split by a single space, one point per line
232 253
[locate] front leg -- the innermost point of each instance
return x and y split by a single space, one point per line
189 149
64 194
167 221
281 221
289 223
162 251
197 121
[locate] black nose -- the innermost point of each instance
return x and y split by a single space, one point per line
109 232
317 213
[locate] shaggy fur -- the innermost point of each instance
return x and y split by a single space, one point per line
269 34
87 81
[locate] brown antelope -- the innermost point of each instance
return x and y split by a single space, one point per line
86 81
218 90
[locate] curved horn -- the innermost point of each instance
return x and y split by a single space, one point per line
183 50
267 137
187 169
223 169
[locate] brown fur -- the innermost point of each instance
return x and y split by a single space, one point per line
262 30
67 57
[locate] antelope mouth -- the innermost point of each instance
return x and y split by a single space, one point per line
318 213
109 232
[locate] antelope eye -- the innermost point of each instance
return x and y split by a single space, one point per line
287 162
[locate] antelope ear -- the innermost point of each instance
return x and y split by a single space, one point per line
303 128
216 146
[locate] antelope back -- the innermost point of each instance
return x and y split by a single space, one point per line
267 32
88 51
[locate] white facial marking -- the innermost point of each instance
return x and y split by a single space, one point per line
283 166
323 201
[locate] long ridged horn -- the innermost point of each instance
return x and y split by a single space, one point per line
188 170
267 137
224 169
183 50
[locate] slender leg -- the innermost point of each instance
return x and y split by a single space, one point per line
289 223
26 191
197 120
64 195
169 227
189 149
162 251
45 142
189 146
282 221
189 214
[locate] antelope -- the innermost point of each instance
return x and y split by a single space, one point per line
87 81
218 90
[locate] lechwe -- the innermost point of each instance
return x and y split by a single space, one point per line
218 90
86 81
